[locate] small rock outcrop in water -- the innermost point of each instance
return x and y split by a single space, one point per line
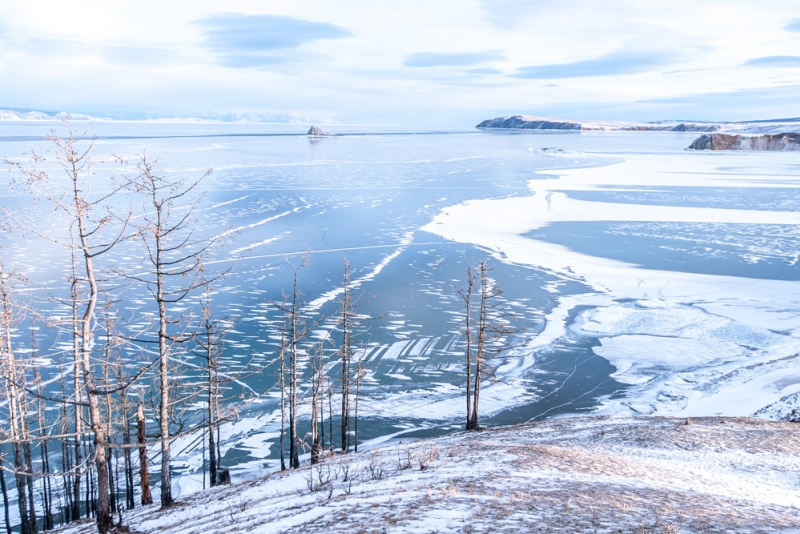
783 141
316 131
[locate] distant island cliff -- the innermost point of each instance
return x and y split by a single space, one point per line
773 135
525 122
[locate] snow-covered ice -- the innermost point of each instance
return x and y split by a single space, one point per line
688 343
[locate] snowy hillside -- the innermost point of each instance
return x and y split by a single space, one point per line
15 115
256 118
575 474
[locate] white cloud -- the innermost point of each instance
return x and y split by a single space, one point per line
361 61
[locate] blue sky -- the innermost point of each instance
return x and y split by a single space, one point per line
446 63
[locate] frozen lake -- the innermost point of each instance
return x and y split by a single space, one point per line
642 277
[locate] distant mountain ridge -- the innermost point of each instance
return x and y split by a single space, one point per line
15 114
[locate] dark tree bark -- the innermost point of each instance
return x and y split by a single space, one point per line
317 379
294 337
47 490
144 473
13 379
346 354
127 452
466 297
210 348
4 490
351 323
282 381
292 333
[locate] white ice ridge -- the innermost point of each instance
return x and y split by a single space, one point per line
733 361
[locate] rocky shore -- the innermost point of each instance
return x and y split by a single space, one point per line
718 141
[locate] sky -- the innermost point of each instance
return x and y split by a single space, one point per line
445 63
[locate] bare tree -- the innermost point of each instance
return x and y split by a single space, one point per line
13 380
318 379
296 325
175 270
351 324
466 295
77 386
293 331
89 219
346 321
282 379
47 490
210 344
125 408
485 338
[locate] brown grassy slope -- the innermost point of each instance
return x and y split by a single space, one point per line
580 474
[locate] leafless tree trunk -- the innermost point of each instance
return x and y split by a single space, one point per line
66 455
4 490
77 387
295 334
26 448
144 473
74 159
466 297
13 379
346 353
109 350
47 490
351 323
209 342
125 415
486 287
293 331
317 380
282 381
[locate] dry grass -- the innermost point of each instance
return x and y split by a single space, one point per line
652 475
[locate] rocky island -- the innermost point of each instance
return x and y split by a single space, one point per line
316 131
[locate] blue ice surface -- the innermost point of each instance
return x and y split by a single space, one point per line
362 196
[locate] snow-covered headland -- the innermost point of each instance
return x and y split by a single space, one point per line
527 122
